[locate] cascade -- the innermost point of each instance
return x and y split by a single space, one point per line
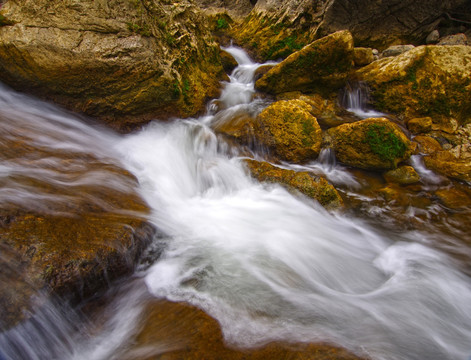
267 265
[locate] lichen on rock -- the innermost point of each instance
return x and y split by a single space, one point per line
321 67
289 131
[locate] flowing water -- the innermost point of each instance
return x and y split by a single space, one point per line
268 265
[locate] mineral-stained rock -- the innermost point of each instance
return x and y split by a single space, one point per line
322 66
288 130
122 61
372 144
396 50
234 8
403 175
429 80
456 39
314 187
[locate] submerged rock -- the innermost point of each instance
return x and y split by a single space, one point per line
426 81
122 61
321 66
288 130
403 175
371 144
316 188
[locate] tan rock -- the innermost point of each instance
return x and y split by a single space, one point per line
121 61
316 188
363 56
427 145
289 131
448 164
322 66
420 125
372 144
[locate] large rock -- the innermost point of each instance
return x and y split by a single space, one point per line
122 61
322 66
316 188
371 144
277 28
289 131
70 221
454 163
429 80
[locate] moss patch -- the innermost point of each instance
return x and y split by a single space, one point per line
384 143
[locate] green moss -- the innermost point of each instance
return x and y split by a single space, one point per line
283 48
222 23
143 30
384 143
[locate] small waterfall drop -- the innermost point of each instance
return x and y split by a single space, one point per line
355 98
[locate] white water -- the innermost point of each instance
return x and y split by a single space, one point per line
270 266
354 101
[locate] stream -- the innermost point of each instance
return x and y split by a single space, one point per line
386 281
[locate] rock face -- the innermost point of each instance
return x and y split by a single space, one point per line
426 81
122 61
315 188
275 28
371 144
322 66
289 131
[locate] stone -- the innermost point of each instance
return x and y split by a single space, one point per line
396 50
456 39
427 145
430 80
322 66
420 125
316 188
228 62
447 163
403 175
371 144
363 56
433 37
125 62
234 8
289 131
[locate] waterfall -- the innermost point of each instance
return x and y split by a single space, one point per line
270 266
355 100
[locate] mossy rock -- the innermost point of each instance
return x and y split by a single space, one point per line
371 144
316 188
321 67
289 131
427 145
426 81
420 125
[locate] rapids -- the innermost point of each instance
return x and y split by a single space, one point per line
266 264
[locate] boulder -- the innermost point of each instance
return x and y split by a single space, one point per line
321 66
433 37
316 188
403 175
371 144
289 131
429 80
456 39
122 61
